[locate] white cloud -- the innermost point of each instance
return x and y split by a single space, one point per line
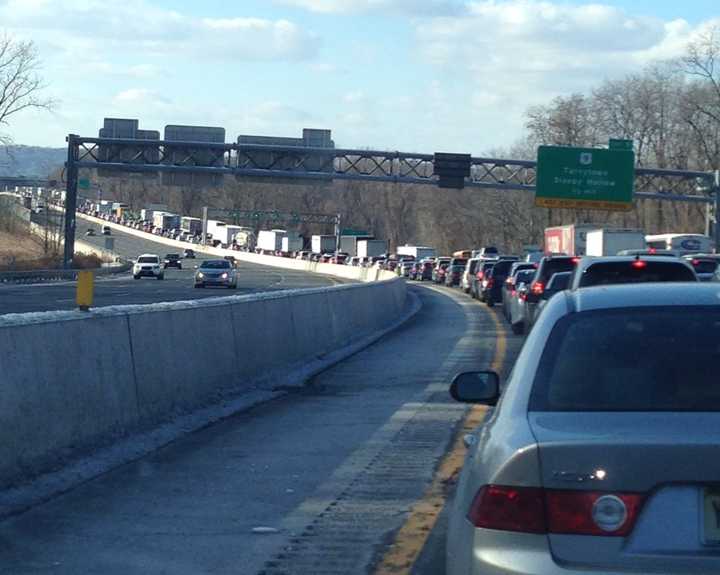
516 53
412 7
133 96
136 26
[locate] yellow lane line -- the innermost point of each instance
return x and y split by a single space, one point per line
412 536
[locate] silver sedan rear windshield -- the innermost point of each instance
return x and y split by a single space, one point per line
631 359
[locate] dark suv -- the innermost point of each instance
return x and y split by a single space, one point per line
172 261
492 283
548 266
626 269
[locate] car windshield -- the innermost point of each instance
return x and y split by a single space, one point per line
555 265
501 268
524 276
172 257
637 271
215 265
631 359
147 260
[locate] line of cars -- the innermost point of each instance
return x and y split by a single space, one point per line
596 456
523 286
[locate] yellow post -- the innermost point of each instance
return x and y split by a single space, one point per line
85 289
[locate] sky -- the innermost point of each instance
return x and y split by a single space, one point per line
408 75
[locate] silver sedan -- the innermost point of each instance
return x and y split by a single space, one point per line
602 456
216 273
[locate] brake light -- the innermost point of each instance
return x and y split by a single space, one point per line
509 509
575 260
652 250
537 288
638 264
480 275
592 513
523 296
695 262
490 283
537 510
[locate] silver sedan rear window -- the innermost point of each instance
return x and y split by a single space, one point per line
631 359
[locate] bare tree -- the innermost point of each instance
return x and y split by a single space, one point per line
20 84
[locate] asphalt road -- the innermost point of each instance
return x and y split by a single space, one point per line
318 481
123 289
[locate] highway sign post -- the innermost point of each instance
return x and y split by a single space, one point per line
586 178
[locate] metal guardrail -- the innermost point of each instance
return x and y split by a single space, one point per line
42 276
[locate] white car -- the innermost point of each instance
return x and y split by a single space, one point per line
148 265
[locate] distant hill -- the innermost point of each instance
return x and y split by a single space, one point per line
32 161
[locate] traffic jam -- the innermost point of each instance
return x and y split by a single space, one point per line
599 452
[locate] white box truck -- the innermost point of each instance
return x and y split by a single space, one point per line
323 244
569 240
291 244
192 226
270 240
166 221
418 252
608 242
371 248
349 244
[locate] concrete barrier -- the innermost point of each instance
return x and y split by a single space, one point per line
73 381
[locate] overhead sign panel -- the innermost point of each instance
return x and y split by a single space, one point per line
189 156
586 178
451 169
124 128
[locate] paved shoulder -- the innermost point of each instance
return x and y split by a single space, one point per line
316 482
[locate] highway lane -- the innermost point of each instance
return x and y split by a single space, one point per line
315 482
123 289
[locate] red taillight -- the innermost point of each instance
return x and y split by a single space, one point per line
523 296
638 264
695 262
536 510
575 261
592 513
480 275
652 250
509 509
490 283
537 288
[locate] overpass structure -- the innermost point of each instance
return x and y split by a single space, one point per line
27 182
328 164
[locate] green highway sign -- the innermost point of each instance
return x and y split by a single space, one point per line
615 144
586 178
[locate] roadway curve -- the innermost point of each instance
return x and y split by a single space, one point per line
317 481
123 289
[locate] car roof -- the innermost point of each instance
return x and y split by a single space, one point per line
644 295
589 261
149 256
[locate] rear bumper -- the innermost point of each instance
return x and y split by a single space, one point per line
504 553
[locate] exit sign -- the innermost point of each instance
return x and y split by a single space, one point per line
585 178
